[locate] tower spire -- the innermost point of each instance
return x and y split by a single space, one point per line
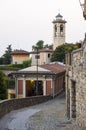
58 31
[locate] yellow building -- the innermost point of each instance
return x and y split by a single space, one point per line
11 93
18 56
48 80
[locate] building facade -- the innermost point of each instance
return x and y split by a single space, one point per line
41 56
18 56
76 85
58 31
46 80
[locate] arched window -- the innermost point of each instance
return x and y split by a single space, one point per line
61 30
55 28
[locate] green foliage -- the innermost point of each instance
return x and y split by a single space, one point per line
11 67
46 46
70 47
7 55
27 63
3 88
6 58
59 53
16 66
1 60
10 82
39 45
5 83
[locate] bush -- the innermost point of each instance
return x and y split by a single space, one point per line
10 83
3 87
16 66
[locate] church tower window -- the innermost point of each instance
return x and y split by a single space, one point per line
55 30
58 31
61 29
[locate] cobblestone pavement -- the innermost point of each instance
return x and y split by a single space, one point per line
46 116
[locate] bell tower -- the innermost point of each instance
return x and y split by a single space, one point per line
58 31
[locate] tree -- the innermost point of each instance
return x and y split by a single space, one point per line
7 55
1 60
59 53
27 63
3 88
39 45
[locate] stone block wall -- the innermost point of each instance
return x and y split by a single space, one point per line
79 75
7 106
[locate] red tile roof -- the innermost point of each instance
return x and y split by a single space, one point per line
55 68
51 69
19 52
42 50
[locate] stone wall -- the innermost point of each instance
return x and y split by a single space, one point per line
9 105
79 76
76 85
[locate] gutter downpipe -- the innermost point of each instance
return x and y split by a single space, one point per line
53 86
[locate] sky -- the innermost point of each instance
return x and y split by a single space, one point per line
24 22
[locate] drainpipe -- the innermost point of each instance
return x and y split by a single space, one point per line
53 87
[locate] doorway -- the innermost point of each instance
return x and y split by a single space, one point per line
73 99
38 87
32 86
29 88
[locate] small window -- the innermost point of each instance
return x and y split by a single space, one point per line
48 55
37 56
70 59
61 28
55 28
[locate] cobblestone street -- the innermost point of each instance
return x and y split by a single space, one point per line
46 116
